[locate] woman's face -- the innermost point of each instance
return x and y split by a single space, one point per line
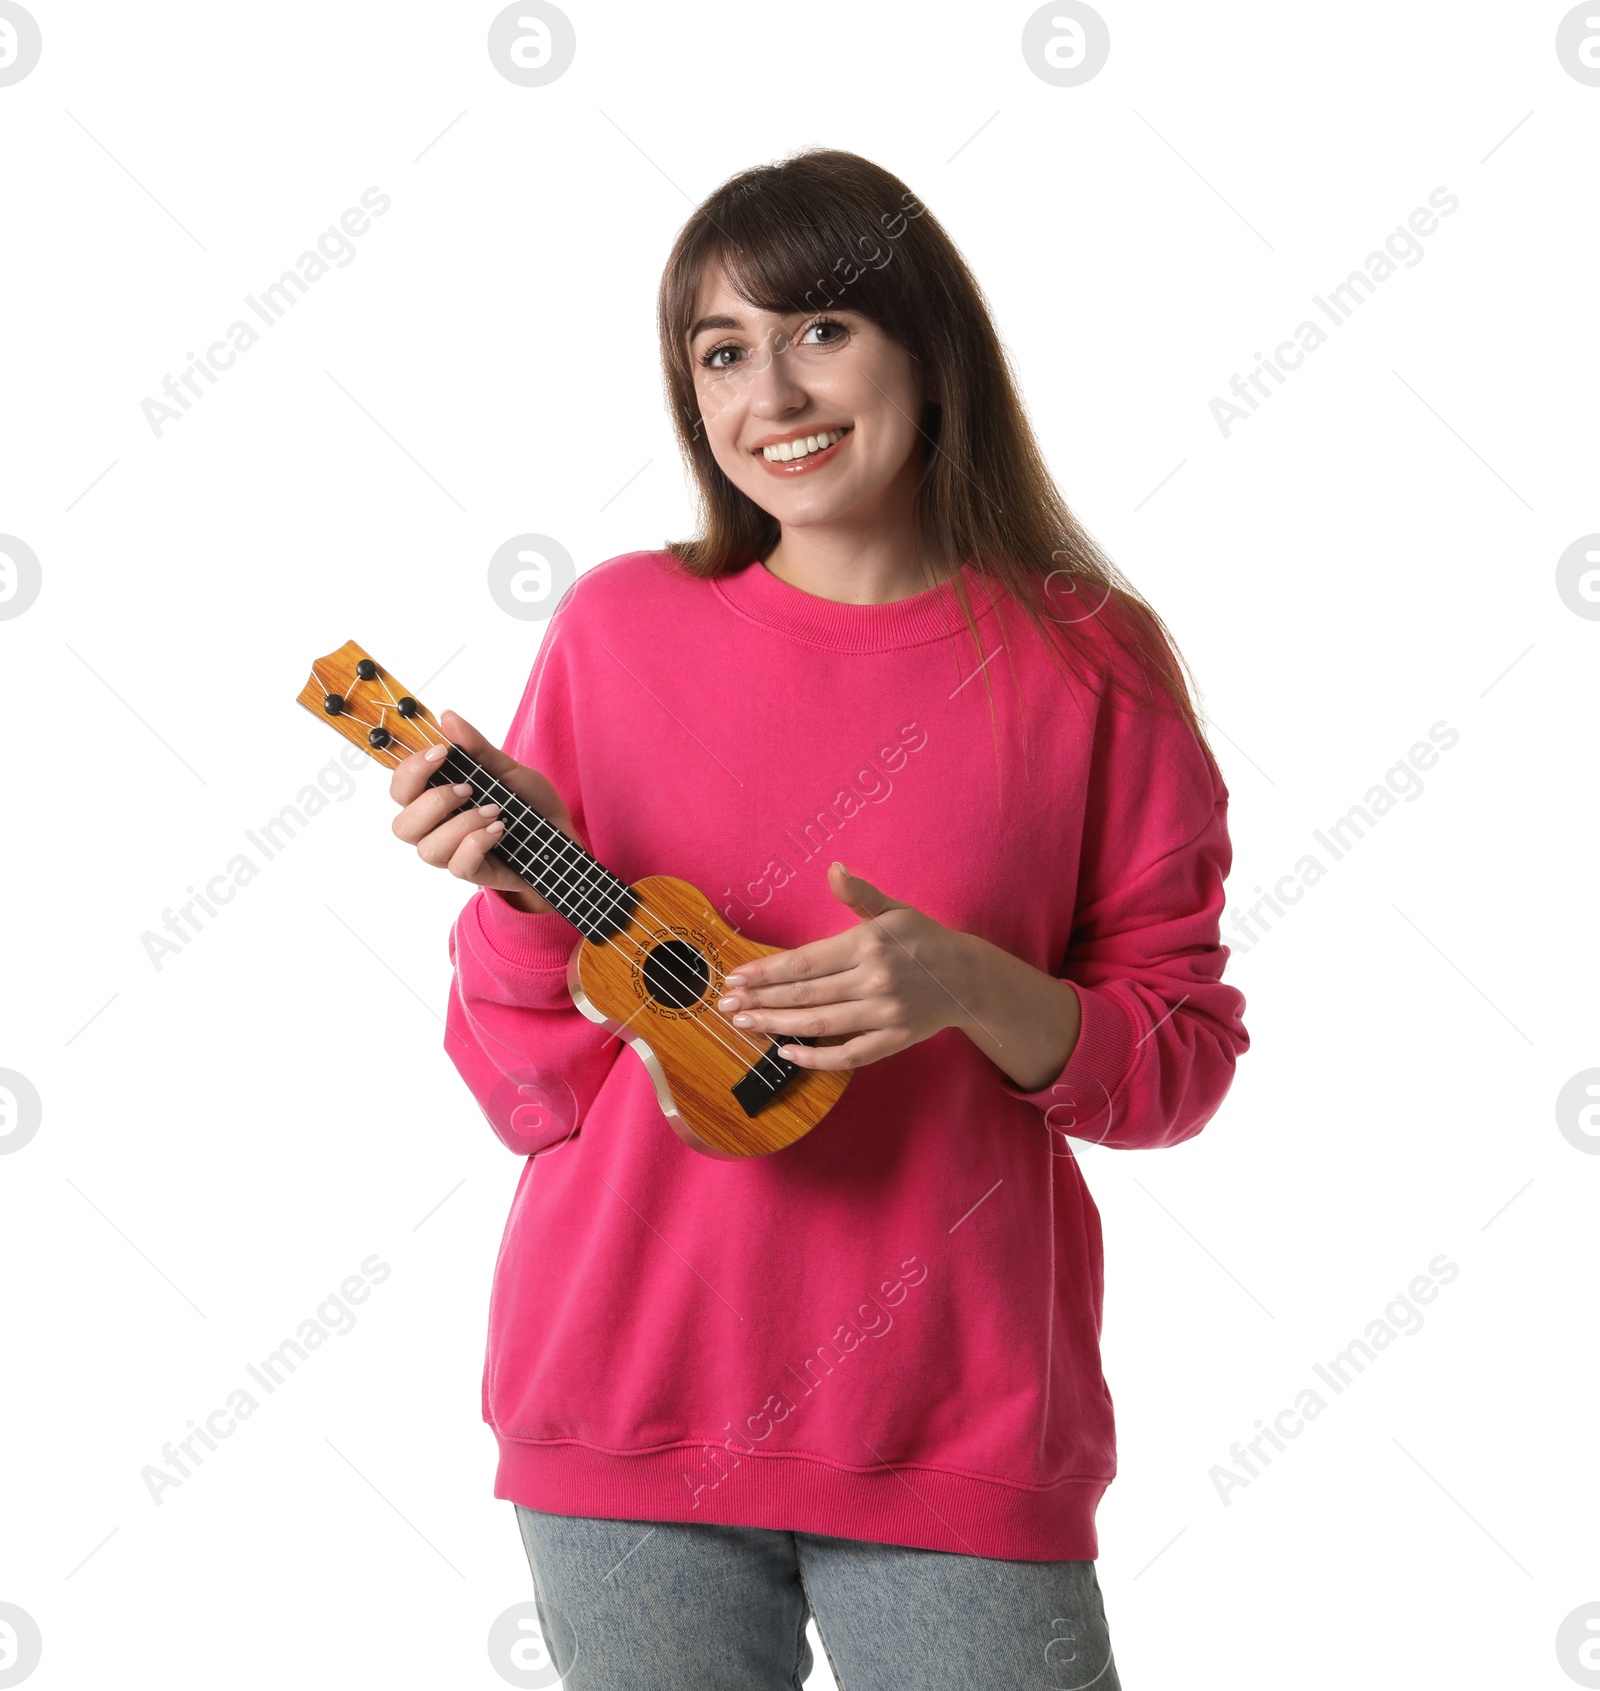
798 379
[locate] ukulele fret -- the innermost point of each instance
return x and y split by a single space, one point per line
574 884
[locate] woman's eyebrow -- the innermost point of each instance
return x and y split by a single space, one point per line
714 323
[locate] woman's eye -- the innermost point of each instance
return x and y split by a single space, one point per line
824 332
838 331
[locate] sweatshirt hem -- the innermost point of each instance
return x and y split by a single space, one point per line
924 1508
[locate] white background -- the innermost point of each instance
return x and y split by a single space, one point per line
226 1138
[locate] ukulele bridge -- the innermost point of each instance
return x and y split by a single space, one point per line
768 1076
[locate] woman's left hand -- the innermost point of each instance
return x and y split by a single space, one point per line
894 979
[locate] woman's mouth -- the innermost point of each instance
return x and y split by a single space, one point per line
802 454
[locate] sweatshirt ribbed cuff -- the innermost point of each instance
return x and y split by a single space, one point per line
1077 1100
536 943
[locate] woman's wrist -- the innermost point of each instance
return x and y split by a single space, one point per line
515 900
1024 1020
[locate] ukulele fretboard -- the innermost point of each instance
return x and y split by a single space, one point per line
574 884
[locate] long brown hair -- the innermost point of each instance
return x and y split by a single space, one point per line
823 230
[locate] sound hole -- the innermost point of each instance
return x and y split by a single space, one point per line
676 974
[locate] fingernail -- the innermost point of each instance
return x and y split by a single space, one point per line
495 828
488 810
434 755
735 980
838 865
728 1003
741 1021
462 787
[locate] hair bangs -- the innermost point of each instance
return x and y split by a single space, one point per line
788 254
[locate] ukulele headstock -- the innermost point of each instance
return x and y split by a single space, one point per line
361 700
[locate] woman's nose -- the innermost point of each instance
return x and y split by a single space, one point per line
773 387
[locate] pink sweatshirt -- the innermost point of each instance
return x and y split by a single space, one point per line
890 1329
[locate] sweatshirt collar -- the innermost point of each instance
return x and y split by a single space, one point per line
755 593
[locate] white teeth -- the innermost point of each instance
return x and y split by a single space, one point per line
786 451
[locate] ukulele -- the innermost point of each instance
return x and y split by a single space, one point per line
653 956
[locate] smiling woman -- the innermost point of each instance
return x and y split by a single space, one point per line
827 275
676 1364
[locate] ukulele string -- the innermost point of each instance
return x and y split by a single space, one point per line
570 868
571 861
653 925
569 865
688 983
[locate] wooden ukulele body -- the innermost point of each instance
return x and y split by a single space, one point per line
656 985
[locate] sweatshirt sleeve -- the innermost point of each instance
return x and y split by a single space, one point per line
1161 1032
530 1057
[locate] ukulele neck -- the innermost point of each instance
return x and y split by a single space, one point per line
574 884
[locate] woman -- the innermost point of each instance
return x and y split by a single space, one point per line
859 1378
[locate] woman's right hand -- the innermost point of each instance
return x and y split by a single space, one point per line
459 840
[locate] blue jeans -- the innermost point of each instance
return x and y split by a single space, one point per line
674 1606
